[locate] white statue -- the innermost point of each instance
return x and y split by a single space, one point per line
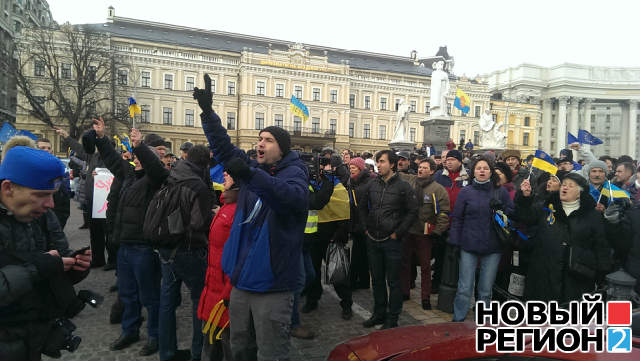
439 91
402 123
492 135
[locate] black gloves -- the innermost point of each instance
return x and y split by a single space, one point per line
496 205
238 169
204 96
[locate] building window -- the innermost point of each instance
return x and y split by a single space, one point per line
608 117
168 81
188 118
476 137
167 116
259 121
332 125
260 88
412 106
495 117
213 86
366 131
367 102
412 134
477 111
123 77
316 94
231 121
278 120
397 104
145 116
146 79
352 100
315 125
382 132
231 88
527 121
426 107
42 100
448 108
297 124
38 68
383 103
525 139
190 83
297 91
352 129
280 90
91 73
65 72
463 134
334 96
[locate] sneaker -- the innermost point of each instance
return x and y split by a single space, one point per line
389 324
309 306
373 321
124 341
149 348
347 313
302 333
426 305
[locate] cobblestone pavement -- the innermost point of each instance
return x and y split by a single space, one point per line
97 333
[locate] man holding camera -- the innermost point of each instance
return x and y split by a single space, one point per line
36 283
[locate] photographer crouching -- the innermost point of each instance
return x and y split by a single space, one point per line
37 297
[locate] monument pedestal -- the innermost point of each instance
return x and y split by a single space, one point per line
436 131
402 146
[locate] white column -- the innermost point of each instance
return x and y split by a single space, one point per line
624 128
561 129
633 119
546 124
573 116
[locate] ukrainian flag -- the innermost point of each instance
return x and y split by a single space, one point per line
217 177
134 108
298 108
544 162
462 101
612 192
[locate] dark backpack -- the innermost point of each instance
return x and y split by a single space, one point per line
166 221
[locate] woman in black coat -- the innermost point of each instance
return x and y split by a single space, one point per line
568 223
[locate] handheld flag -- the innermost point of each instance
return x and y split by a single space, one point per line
612 192
217 177
585 137
544 162
299 109
7 131
134 108
462 101
126 144
571 139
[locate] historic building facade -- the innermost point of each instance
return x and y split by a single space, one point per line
351 95
601 100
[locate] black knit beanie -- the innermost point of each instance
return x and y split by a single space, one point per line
282 137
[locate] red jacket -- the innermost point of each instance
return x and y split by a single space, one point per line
450 145
217 285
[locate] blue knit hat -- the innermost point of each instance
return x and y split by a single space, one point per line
31 168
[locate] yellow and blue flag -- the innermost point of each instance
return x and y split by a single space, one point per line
462 101
217 177
544 162
612 192
298 108
134 108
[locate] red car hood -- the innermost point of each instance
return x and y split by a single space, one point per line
442 341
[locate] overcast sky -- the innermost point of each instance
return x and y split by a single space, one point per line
482 35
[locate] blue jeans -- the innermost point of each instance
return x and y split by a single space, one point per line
190 267
138 283
467 269
307 275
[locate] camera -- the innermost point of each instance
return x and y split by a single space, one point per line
61 337
315 163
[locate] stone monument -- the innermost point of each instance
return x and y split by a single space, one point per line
492 135
400 139
437 125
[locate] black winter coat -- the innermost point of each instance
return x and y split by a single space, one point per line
388 207
138 187
355 187
627 242
548 276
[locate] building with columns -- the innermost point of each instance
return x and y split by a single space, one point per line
601 100
351 95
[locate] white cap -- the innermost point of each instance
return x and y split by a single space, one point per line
371 162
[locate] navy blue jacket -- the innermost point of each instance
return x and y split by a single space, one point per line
264 248
471 218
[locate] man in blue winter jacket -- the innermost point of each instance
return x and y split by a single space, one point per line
262 254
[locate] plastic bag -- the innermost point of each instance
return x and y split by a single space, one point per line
336 263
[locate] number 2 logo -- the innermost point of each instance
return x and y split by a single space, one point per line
619 339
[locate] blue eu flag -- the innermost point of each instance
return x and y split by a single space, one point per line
585 137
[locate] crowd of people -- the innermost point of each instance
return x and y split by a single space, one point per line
250 253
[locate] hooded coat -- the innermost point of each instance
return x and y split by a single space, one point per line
548 276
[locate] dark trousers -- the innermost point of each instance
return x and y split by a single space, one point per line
97 234
437 252
385 261
420 246
359 271
112 247
318 252
219 350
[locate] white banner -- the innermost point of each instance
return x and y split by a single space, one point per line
101 187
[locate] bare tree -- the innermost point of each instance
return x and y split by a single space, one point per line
74 70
